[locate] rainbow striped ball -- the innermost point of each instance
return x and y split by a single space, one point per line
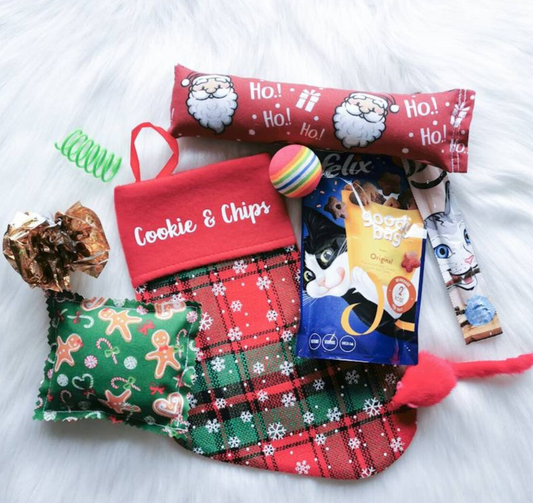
295 171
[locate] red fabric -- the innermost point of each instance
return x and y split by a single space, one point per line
171 164
198 197
433 378
465 370
339 423
431 127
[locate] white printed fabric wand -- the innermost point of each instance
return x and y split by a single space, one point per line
454 252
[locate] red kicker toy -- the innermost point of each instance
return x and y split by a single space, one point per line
432 127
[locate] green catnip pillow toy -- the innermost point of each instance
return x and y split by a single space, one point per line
121 360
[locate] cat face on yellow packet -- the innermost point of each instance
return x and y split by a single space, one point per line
363 242
386 243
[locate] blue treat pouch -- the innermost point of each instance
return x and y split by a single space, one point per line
363 242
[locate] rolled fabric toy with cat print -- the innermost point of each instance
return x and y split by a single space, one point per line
453 250
433 127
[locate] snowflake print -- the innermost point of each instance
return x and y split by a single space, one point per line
234 334
268 450
390 379
308 417
352 377
234 442
199 355
239 267
397 445
272 315
198 450
236 306
288 399
263 283
354 443
192 316
218 289
220 403
286 368
372 407
302 467
142 310
206 322
140 289
276 431
319 384
258 367
218 364
246 416
320 439
291 248
334 414
297 279
367 472
212 426
193 401
286 336
262 395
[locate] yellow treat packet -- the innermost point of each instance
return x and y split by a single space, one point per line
363 242
386 243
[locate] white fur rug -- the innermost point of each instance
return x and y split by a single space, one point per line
107 66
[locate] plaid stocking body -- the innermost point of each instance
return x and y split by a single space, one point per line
255 403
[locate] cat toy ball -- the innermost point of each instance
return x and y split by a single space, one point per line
78 148
295 171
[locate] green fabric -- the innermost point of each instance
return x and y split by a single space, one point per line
121 360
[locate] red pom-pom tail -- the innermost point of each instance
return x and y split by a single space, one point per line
465 370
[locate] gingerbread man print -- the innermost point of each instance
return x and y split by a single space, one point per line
164 354
119 403
165 310
65 350
118 321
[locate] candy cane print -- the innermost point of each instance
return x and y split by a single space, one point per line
111 352
81 379
53 346
55 322
183 332
62 395
179 347
76 319
128 383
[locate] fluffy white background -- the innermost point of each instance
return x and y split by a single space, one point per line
106 66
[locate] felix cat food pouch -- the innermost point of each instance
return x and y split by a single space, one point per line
363 245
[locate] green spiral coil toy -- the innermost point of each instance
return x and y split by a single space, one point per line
78 148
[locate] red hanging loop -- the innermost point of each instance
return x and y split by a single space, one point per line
171 164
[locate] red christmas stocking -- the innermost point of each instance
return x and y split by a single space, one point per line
221 236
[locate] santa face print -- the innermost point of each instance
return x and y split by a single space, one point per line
212 101
360 119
